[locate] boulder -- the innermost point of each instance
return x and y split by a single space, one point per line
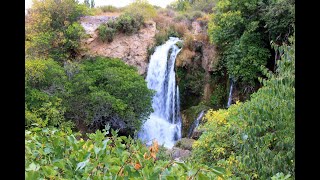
196 134
185 143
178 153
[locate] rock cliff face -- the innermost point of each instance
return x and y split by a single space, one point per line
131 49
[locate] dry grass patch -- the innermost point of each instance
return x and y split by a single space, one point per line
184 57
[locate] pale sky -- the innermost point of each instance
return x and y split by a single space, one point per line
117 3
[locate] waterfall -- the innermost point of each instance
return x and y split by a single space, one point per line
230 93
195 124
164 124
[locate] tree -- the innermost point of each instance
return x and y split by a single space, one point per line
108 91
44 83
52 30
255 139
87 3
279 17
241 30
92 4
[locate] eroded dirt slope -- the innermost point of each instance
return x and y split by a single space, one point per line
131 49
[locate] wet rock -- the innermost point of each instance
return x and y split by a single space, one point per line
196 134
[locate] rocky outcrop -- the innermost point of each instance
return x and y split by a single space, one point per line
196 134
132 49
91 23
185 143
178 154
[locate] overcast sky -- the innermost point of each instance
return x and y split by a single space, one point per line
117 3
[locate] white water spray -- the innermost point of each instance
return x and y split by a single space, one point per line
164 124
230 93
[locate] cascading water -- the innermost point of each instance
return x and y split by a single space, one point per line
230 93
195 124
164 124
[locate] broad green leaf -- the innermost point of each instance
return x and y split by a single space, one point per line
81 165
33 167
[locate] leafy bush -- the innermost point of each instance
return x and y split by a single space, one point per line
245 57
106 33
167 12
109 91
44 83
141 8
164 34
52 30
129 23
193 15
191 83
240 30
108 8
181 17
203 5
180 5
161 37
151 50
215 145
218 97
255 139
279 16
59 153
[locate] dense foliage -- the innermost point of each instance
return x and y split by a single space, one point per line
238 28
191 83
52 30
59 153
107 90
218 98
94 92
255 139
141 7
106 33
193 5
129 22
44 83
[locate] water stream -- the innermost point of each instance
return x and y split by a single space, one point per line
164 124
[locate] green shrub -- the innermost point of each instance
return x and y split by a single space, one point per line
203 5
180 17
180 5
151 50
218 97
44 83
193 15
255 139
161 37
179 44
109 91
108 8
164 34
141 8
129 23
53 31
59 153
106 33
